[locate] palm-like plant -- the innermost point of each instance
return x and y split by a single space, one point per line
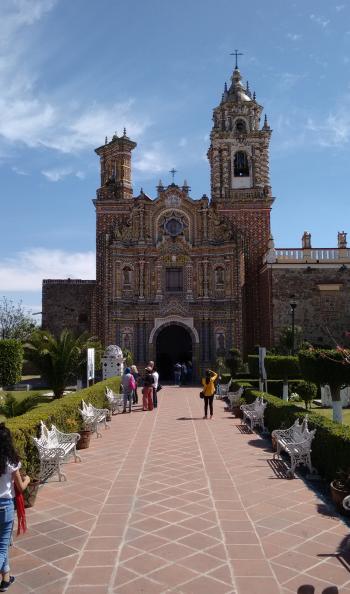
59 360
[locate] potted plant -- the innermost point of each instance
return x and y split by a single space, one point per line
85 435
340 488
236 411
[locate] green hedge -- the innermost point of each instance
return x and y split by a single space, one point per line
11 361
331 445
63 413
277 366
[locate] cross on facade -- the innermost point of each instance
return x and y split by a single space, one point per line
173 171
236 53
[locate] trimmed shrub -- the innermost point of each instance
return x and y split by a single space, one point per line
63 413
234 361
307 392
11 361
331 445
277 366
225 378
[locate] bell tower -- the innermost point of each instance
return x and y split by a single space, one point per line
241 191
239 149
115 165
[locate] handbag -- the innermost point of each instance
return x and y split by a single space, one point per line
159 387
201 394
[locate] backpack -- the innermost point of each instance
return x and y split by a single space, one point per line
132 383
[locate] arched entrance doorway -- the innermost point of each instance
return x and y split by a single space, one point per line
174 344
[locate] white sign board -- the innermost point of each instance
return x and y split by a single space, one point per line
90 365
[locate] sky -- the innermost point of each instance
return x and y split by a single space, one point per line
72 72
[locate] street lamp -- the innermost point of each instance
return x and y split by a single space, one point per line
293 305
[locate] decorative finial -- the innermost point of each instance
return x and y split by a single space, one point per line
141 190
106 140
124 133
254 96
266 125
173 171
236 53
225 87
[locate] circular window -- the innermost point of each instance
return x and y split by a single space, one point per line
174 227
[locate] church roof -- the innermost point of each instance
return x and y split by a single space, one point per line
237 92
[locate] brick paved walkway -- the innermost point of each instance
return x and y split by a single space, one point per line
168 503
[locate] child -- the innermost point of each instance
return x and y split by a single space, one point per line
9 476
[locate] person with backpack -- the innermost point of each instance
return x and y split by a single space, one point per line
129 384
147 390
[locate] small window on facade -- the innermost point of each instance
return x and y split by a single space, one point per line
174 280
241 165
219 277
241 126
127 276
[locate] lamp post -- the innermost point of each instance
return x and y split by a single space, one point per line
293 305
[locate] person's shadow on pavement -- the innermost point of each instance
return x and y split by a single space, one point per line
307 589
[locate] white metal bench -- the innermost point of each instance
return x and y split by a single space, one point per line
55 447
254 413
224 389
234 398
92 417
115 401
296 442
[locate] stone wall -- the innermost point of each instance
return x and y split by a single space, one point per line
67 304
322 293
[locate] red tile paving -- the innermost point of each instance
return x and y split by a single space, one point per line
168 503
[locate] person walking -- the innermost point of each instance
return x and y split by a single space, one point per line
183 377
147 390
155 386
137 377
177 374
9 477
208 383
128 384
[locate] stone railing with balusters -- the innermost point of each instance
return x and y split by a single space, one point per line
312 254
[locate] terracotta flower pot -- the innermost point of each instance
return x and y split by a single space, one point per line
337 498
84 440
31 492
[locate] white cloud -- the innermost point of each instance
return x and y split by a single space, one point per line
319 20
31 117
333 131
340 7
293 36
183 142
19 171
153 160
55 175
289 80
26 270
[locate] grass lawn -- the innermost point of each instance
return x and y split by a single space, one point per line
328 412
20 395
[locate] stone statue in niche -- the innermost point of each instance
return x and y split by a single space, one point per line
221 228
122 228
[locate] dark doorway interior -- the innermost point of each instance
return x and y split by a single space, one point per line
174 344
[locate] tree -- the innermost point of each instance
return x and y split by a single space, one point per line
15 322
11 361
59 360
234 361
327 366
285 343
307 392
282 367
128 357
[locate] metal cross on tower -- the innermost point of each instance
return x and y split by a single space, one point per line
236 53
173 171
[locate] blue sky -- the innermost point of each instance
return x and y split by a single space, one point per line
73 71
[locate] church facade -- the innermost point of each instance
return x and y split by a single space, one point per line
182 278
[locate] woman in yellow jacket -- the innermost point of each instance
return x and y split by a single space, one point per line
209 391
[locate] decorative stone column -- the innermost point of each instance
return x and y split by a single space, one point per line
159 293
189 281
141 279
205 280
